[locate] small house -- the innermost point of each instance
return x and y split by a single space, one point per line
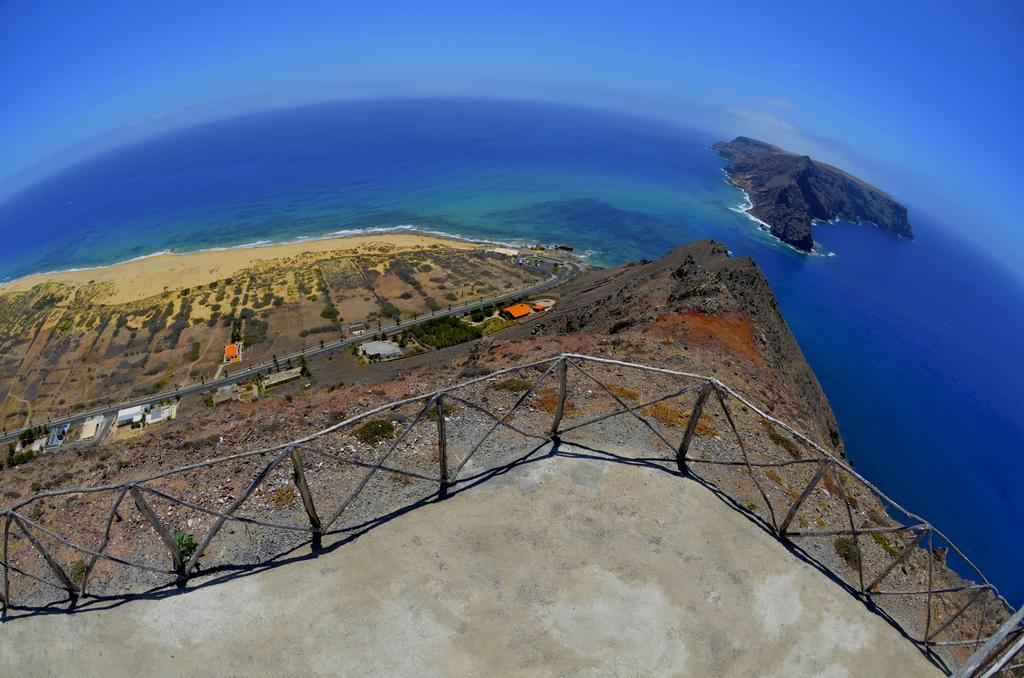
381 350
91 426
130 415
517 311
232 353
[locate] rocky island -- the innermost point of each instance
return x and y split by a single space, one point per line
789 192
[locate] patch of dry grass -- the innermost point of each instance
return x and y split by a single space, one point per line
624 393
512 385
783 441
673 416
283 497
546 400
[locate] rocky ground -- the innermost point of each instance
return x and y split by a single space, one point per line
697 310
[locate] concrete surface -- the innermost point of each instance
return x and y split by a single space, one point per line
560 567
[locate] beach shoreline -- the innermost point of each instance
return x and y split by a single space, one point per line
151 274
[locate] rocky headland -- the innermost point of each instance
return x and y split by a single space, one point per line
789 192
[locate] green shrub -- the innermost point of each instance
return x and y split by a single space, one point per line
77 571
512 384
847 549
330 312
444 332
884 543
375 431
187 543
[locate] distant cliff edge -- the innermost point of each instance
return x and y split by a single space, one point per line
790 191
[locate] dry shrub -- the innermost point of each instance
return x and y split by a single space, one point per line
774 476
666 414
673 416
283 497
878 516
624 393
400 480
846 547
547 401
785 442
512 385
831 485
451 408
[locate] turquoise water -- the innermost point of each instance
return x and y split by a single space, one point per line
916 343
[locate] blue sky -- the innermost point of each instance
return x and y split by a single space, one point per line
923 98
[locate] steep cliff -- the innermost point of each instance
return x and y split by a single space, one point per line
701 297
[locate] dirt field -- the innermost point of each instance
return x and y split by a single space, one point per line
65 347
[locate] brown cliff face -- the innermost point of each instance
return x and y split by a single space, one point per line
790 192
700 298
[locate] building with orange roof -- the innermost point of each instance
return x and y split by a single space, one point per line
232 354
517 311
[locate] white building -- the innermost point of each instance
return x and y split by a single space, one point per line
381 350
162 413
91 426
130 415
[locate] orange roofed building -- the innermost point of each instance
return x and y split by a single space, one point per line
517 311
232 354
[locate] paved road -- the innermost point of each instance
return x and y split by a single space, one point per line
565 272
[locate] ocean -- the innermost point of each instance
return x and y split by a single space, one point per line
917 343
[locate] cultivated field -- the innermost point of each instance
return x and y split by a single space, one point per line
67 345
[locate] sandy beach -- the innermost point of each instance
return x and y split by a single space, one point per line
147 276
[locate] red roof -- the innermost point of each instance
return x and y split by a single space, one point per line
233 353
518 310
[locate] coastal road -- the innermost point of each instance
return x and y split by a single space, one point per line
566 271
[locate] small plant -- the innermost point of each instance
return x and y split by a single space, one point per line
77 572
624 393
450 408
512 385
283 497
884 543
671 416
782 441
847 550
186 543
547 401
375 431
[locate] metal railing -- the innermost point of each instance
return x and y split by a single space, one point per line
455 436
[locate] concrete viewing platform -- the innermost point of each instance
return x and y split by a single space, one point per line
560 566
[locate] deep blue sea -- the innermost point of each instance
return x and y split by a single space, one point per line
917 343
